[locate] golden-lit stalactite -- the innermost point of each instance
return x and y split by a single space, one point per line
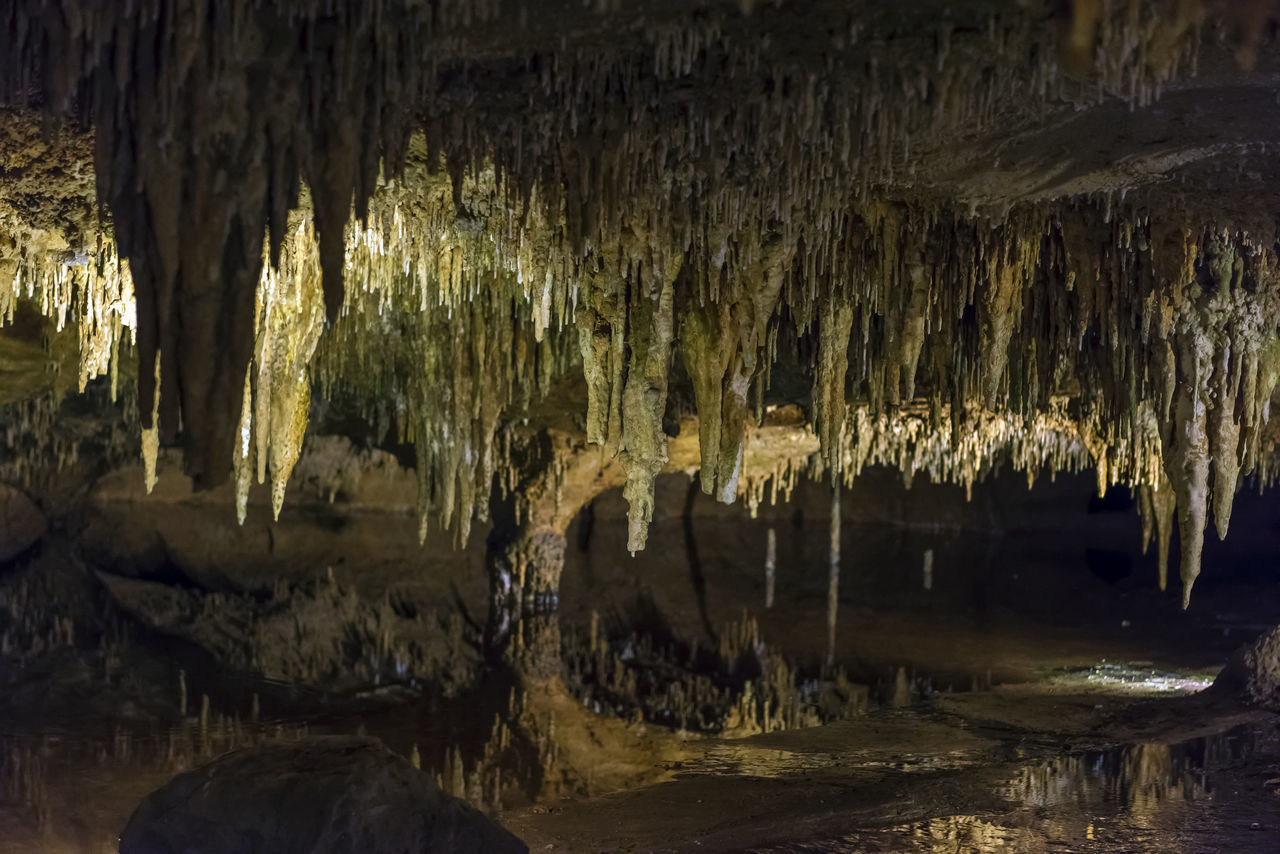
643 449
90 289
724 347
445 345
830 378
1156 507
908 442
288 320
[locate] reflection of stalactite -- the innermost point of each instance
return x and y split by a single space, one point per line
696 577
151 437
770 565
833 575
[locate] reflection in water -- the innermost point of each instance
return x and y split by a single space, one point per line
833 577
1133 798
650 666
770 566
63 792
60 793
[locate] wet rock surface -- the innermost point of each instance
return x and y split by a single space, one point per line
1253 672
338 795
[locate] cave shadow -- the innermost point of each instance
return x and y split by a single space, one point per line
694 559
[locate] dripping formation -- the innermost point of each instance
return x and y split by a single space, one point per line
479 240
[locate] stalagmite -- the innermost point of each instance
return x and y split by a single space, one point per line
770 566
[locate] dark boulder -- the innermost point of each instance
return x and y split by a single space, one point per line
1253 672
335 795
21 522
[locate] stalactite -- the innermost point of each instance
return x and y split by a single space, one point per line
1225 431
709 345
643 449
1164 504
829 383
907 441
1187 451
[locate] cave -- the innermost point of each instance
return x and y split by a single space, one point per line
639 425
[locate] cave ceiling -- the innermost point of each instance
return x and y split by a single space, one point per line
951 235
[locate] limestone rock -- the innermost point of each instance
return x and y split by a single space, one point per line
338 795
1253 672
21 522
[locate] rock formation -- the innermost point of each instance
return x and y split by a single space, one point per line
338 794
1253 673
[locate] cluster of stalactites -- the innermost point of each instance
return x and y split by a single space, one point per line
288 320
454 312
1218 355
1165 333
648 230
600 199
909 441
444 327
770 472
90 289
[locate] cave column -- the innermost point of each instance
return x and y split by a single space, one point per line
524 560
524 553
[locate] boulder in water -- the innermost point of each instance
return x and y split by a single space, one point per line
21 522
338 795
